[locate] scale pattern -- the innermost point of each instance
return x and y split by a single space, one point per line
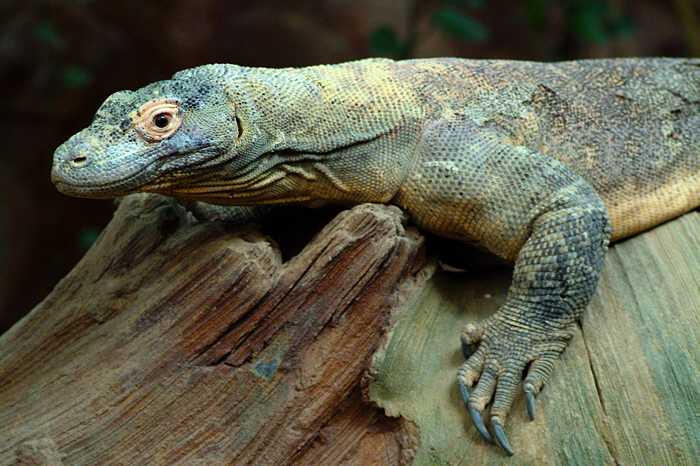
542 164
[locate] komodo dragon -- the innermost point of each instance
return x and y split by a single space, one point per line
541 164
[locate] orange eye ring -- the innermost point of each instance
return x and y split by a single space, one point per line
158 119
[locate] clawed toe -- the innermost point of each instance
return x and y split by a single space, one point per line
500 434
478 421
531 400
468 349
475 414
491 377
463 391
470 338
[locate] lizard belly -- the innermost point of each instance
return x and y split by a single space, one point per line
632 212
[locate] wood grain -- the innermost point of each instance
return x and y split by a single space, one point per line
627 390
174 342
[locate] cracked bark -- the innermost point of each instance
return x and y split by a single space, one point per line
602 422
592 370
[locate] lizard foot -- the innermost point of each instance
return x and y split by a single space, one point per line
498 353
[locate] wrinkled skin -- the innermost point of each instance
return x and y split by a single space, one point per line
542 164
126 160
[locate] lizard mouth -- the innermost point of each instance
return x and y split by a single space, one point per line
107 190
138 180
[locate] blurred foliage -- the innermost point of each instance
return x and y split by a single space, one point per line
468 3
46 33
596 22
589 21
459 25
48 36
385 43
87 238
451 17
75 76
536 13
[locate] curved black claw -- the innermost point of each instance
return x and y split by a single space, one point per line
463 391
531 400
501 437
478 421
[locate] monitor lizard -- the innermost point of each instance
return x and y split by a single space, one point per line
541 164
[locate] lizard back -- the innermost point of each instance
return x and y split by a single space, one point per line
629 127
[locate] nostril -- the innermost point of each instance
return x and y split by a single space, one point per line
78 161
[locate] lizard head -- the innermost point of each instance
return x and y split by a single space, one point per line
143 140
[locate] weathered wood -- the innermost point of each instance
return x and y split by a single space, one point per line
627 390
181 343
174 342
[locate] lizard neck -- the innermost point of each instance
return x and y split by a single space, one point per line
321 108
340 133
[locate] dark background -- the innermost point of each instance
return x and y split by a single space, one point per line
60 59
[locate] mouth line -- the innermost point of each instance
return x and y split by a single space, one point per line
143 172
103 189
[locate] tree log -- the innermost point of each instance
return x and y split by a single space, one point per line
174 342
178 342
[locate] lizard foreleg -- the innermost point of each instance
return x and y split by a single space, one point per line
237 215
555 275
471 183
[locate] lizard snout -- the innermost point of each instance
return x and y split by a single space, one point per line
78 160
67 160
72 155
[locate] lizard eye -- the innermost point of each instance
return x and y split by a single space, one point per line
158 119
162 120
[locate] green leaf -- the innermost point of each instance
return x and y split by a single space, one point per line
385 43
46 33
459 25
76 77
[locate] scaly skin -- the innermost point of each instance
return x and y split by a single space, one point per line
542 164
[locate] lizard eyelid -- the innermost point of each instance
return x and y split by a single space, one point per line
158 119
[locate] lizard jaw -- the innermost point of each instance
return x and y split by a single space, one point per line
108 190
138 180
